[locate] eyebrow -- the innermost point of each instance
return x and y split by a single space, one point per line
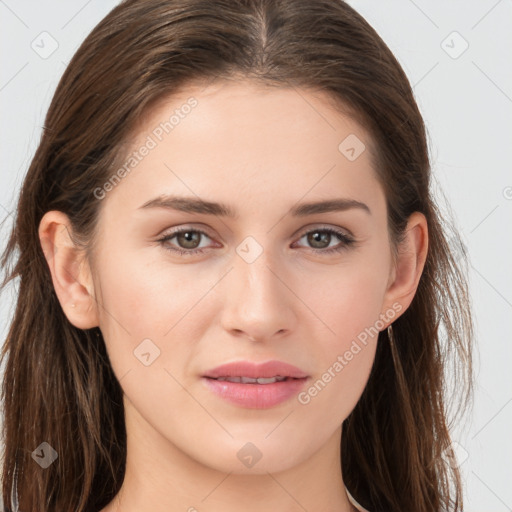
196 205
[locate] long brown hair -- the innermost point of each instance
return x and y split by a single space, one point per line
59 386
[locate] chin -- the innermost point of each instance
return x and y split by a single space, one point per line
246 457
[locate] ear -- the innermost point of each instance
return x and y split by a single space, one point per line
408 266
70 270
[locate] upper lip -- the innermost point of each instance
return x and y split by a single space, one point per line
256 370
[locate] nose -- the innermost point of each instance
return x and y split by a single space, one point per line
257 300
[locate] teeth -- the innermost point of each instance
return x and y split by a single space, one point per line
249 380
268 380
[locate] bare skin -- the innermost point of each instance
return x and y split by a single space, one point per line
262 152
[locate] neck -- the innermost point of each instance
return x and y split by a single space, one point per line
160 477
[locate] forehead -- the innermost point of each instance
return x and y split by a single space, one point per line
224 105
242 140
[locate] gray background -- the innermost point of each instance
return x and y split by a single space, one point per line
466 100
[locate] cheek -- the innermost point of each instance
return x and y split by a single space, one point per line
348 303
143 300
151 315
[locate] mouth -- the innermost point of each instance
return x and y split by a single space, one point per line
255 393
250 380
254 371
255 386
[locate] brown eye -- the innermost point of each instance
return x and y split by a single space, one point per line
187 241
320 240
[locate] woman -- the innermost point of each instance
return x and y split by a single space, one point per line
234 284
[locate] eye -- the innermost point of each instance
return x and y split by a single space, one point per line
321 238
189 240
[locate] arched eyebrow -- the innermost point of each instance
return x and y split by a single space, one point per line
196 205
328 205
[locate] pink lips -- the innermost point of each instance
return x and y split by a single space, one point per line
256 395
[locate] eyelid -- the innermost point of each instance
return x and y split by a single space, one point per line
185 227
319 227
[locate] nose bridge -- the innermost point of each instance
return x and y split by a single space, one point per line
257 303
255 271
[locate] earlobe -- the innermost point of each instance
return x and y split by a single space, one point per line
409 264
69 269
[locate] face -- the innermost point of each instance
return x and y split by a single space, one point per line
184 289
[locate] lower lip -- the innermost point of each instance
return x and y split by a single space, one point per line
256 396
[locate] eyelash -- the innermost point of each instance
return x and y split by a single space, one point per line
346 240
